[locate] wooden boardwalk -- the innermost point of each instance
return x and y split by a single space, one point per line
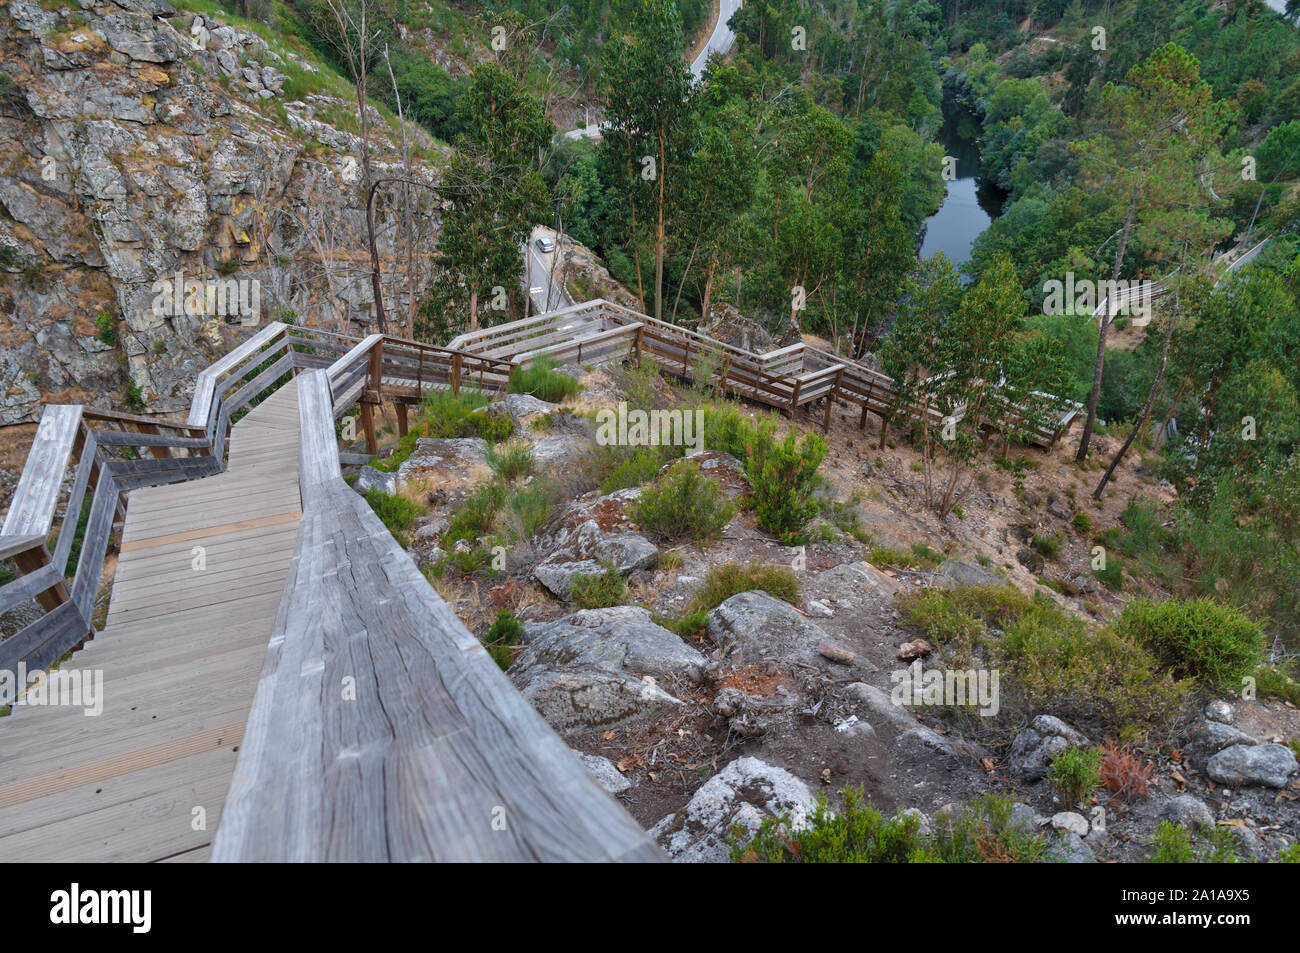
180 657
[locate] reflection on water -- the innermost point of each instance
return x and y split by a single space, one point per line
971 204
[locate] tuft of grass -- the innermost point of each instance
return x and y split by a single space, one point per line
511 462
106 329
729 579
543 381
599 590
1049 546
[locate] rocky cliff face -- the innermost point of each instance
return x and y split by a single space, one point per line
141 143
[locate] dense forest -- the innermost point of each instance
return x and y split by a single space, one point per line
1140 140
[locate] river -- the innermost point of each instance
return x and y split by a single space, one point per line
971 204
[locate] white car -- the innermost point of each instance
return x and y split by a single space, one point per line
545 244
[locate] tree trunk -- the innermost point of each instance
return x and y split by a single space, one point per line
1103 325
1151 395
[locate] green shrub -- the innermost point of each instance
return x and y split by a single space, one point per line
1112 577
599 590
1082 522
688 626
1273 682
889 557
1075 773
444 414
543 381
636 466
106 329
1214 644
504 632
133 396
683 504
1173 844
1098 677
728 579
936 614
1049 546
783 478
783 474
395 512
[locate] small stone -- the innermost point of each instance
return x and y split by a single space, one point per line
918 648
1221 711
1189 812
835 653
1071 822
818 609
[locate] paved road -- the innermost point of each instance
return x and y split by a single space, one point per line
543 293
720 41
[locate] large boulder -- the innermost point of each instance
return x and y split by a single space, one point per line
1268 765
598 667
742 794
751 627
371 479
586 535
1210 740
449 469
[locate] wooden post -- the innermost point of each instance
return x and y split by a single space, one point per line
371 397
794 397
401 418
33 559
726 370
158 453
637 345
686 360
455 374
862 423
830 401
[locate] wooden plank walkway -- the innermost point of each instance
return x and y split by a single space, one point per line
180 657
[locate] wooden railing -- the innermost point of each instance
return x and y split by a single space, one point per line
787 378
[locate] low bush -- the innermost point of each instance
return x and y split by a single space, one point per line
631 466
1216 645
682 504
858 833
1049 546
397 513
